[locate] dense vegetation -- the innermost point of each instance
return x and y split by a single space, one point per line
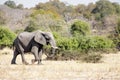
80 30
6 37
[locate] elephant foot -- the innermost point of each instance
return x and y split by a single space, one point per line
40 64
26 63
33 61
13 62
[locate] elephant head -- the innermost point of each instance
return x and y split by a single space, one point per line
46 38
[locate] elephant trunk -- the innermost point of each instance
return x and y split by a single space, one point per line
52 43
53 47
52 52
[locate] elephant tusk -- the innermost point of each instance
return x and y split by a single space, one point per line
54 47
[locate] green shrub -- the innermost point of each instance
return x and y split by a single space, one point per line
94 43
80 28
84 43
82 47
67 43
31 27
6 37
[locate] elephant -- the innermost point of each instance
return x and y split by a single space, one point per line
33 42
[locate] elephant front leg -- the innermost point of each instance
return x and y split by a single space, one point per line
35 53
40 57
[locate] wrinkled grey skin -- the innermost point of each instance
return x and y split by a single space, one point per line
33 42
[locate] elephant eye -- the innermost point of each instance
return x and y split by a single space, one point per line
47 42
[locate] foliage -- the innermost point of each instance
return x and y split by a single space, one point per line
6 37
80 28
118 26
67 43
31 27
103 8
84 43
94 43
117 7
10 4
20 6
54 5
55 27
116 36
52 13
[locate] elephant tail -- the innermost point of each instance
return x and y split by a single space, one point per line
13 45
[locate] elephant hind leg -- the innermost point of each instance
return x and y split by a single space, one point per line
14 57
33 61
21 51
23 59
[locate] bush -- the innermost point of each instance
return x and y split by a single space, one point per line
67 43
84 48
6 37
80 28
84 43
116 36
31 27
94 43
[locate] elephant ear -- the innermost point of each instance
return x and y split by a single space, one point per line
39 38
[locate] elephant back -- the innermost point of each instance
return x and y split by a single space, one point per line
25 37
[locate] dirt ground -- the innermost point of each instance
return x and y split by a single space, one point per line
109 69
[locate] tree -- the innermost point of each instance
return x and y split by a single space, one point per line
80 8
117 7
53 5
10 4
103 8
20 6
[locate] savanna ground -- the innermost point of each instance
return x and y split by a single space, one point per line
108 69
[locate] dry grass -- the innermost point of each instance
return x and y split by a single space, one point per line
60 70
